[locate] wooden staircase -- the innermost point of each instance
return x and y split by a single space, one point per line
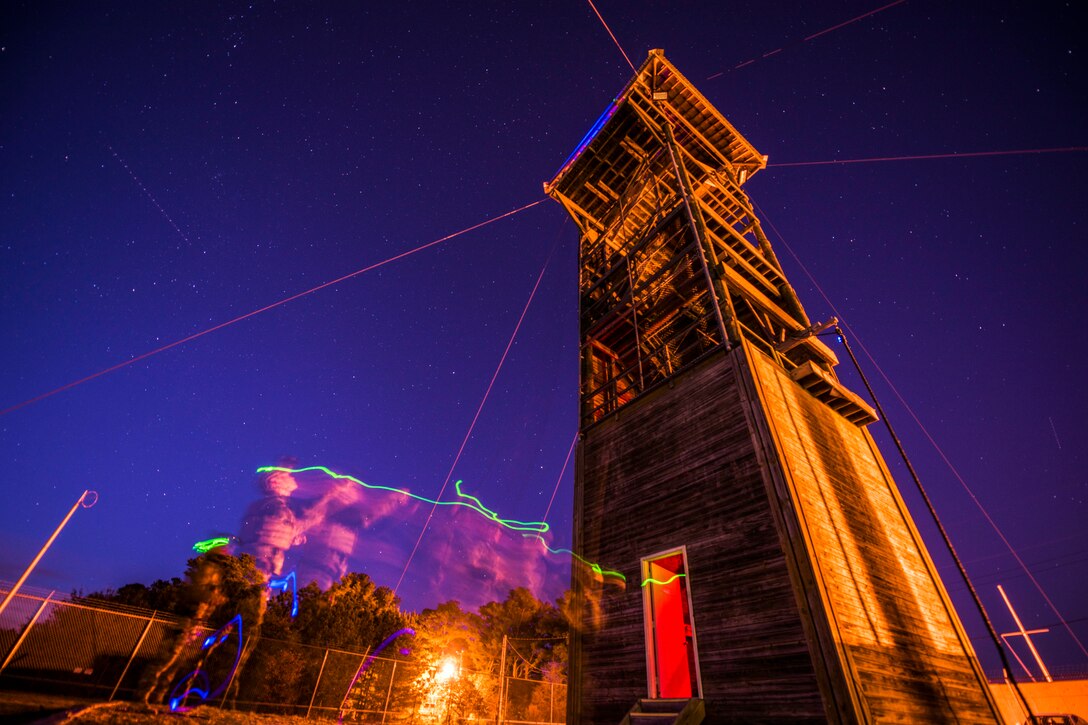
666 711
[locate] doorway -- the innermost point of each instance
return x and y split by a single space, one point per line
672 660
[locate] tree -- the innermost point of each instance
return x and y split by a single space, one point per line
221 586
353 614
450 631
162 595
537 629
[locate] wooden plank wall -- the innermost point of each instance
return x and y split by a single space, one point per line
677 467
903 644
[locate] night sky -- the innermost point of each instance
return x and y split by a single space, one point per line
168 168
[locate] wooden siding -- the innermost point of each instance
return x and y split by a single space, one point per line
907 656
678 467
813 597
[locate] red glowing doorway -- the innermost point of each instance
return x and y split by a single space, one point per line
672 659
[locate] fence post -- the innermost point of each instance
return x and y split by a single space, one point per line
389 692
132 656
551 702
26 631
318 683
358 671
247 648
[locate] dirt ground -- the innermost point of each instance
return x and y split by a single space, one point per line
26 709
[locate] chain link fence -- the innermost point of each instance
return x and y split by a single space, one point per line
86 648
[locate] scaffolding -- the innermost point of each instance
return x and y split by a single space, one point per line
674 261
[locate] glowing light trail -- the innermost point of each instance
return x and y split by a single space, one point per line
258 311
282 584
177 702
366 663
595 567
469 501
592 133
670 580
208 544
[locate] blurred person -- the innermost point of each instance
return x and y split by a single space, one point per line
270 526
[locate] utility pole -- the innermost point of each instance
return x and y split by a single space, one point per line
502 682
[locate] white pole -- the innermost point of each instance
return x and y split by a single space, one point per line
23 578
132 656
26 631
502 681
1024 634
389 692
318 683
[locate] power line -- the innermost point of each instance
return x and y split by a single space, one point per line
538 639
1037 545
936 519
555 490
964 154
795 43
476 417
597 12
925 431
528 662
1049 565
258 311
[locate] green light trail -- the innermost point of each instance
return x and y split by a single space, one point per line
470 502
207 545
670 580
595 567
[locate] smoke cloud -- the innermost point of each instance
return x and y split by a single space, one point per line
322 527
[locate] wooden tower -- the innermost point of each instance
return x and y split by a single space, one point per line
771 567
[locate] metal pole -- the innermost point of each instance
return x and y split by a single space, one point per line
362 662
502 682
1024 634
389 692
247 648
23 578
318 683
1024 667
132 656
551 702
26 631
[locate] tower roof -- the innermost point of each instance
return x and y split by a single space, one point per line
630 130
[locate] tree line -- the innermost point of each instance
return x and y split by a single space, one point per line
521 635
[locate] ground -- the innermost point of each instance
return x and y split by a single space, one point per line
16 707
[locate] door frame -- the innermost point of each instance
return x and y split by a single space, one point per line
647 620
